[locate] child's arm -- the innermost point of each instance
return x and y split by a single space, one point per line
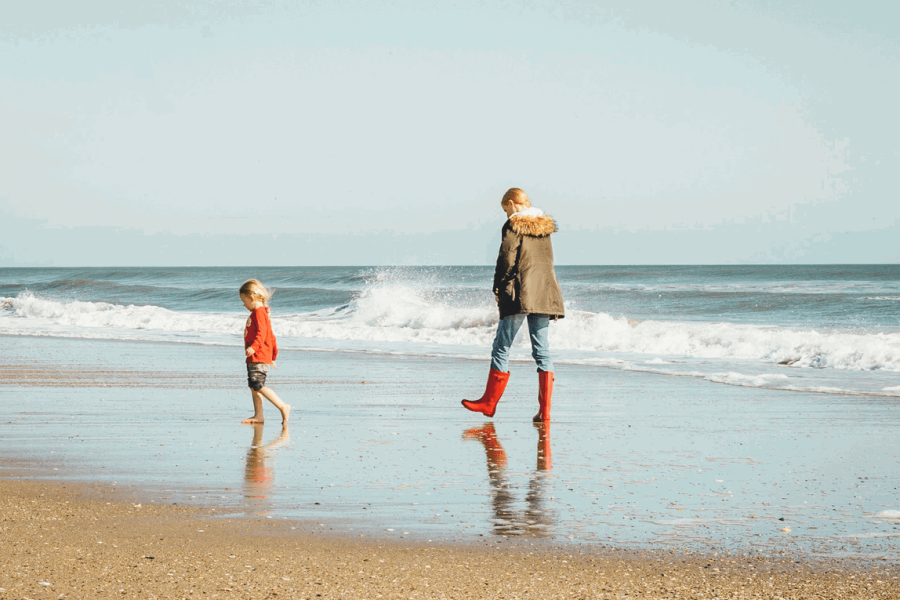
258 332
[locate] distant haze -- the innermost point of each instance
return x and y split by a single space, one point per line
317 133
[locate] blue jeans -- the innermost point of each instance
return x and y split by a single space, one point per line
538 326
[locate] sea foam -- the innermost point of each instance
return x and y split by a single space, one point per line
389 311
893 515
80 315
800 348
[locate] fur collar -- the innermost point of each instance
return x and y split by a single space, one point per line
536 226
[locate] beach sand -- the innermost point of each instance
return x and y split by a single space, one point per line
649 486
61 541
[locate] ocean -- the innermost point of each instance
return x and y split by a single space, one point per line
824 329
750 409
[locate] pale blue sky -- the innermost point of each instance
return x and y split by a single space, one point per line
362 133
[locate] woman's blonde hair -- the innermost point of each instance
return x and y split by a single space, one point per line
256 291
515 196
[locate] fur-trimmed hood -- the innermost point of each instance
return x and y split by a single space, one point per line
533 222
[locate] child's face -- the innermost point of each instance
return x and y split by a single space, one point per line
249 303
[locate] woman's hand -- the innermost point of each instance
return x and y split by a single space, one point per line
249 352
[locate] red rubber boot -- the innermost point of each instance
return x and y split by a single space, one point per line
545 393
487 404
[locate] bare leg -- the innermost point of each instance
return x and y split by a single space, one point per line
257 417
272 397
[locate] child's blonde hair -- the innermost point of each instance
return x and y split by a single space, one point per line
256 291
515 196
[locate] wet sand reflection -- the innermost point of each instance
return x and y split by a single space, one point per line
536 519
258 475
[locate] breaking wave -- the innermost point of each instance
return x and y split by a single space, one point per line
391 311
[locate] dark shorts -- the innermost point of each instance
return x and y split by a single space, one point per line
256 375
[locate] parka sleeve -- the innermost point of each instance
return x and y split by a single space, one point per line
507 260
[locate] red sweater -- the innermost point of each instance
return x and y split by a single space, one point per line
258 335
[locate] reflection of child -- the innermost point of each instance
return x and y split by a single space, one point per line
258 475
526 288
261 350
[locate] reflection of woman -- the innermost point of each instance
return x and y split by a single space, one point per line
257 475
507 521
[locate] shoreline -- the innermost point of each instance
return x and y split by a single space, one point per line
719 371
379 445
89 540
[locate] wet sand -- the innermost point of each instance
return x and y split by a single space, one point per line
88 541
643 485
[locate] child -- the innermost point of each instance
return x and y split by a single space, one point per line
261 350
525 286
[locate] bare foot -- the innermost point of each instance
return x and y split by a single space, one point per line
254 420
285 414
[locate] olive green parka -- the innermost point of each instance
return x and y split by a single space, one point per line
524 280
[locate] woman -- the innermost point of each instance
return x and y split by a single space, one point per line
525 287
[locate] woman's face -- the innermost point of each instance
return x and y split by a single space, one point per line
512 208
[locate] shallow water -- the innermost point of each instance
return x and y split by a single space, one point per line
378 445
